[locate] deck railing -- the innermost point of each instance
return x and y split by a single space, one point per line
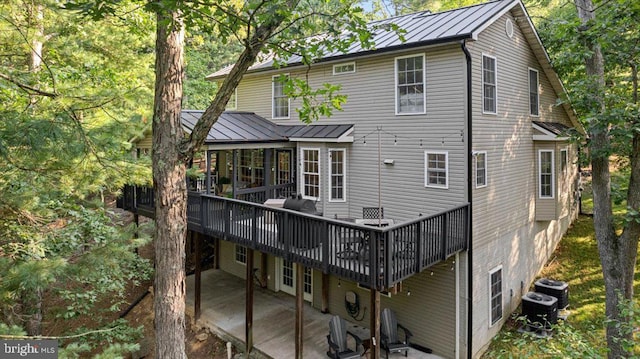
378 257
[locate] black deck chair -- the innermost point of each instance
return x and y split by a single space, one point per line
337 339
391 342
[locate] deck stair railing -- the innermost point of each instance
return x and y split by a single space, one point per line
378 257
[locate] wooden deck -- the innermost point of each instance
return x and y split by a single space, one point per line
382 257
223 308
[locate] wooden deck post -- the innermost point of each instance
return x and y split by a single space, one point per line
375 324
216 253
263 270
325 293
198 274
299 308
248 329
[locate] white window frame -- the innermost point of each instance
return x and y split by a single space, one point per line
424 85
234 97
426 169
486 173
240 251
537 91
342 66
303 173
495 85
493 322
274 79
344 174
553 174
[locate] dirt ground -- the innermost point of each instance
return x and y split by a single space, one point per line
200 342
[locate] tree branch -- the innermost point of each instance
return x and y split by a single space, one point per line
28 88
60 337
253 47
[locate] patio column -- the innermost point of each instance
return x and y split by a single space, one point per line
216 253
375 324
325 293
198 274
208 178
248 329
263 270
299 308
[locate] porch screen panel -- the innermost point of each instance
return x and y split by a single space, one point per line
252 168
284 167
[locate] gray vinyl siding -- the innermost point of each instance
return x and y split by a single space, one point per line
429 312
505 230
228 261
507 136
371 104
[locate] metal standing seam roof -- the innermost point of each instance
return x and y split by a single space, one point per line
422 28
247 127
553 127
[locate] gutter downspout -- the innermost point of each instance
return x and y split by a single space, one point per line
467 55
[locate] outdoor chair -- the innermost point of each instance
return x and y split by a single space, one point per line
337 339
391 342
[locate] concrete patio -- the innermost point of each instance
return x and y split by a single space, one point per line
223 312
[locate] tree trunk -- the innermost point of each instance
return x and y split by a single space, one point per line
36 16
617 253
169 176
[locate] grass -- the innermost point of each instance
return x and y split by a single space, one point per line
576 261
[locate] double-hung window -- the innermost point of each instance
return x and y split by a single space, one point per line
241 254
481 169
436 167
495 292
310 173
410 85
280 101
337 174
489 85
534 95
546 176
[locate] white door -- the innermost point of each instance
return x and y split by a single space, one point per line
287 279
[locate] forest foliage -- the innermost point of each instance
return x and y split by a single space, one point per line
67 126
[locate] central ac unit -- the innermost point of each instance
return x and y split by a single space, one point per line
540 309
554 288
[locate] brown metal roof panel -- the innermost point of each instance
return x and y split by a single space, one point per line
554 127
239 128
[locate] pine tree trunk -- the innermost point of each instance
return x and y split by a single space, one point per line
31 305
169 180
